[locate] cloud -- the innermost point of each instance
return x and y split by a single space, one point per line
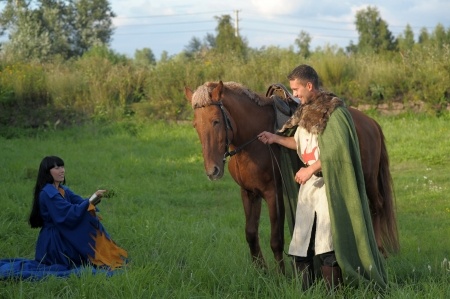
271 8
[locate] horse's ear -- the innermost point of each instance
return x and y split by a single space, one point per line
188 93
216 93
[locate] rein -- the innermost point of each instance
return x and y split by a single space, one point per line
283 186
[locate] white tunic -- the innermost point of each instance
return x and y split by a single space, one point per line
312 199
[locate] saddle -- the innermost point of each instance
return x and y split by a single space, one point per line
283 101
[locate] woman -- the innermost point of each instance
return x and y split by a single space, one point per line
71 234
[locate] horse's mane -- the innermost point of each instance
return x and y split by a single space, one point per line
201 96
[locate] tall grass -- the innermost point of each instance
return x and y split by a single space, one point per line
100 87
185 234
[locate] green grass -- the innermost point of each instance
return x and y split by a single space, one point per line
185 234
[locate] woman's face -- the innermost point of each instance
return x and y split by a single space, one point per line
57 173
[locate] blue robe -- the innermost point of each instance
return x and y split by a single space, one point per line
66 239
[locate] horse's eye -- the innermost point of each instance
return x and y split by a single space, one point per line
215 122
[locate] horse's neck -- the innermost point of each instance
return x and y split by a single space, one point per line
250 119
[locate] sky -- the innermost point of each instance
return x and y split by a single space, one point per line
169 25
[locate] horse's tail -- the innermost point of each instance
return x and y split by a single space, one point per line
388 219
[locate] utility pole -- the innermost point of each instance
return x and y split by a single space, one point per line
236 23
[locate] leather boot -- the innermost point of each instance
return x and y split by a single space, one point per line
306 270
332 277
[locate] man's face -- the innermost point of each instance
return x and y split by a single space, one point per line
303 92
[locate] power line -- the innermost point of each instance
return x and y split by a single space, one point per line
237 29
163 32
164 24
171 15
294 33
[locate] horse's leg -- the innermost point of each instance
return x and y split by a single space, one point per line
252 210
276 214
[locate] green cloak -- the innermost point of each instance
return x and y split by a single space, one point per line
353 236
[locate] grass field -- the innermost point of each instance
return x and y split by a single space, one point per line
185 234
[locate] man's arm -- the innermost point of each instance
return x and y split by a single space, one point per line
269 138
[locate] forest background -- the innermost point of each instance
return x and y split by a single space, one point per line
56 67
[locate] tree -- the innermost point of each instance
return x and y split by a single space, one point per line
194 46
226 40
210 41
303 41
144 57
406 41
164 56
25 28
374 35
41 29
351 48
439 36
424 37
92 24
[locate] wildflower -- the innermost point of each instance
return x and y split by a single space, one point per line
445 264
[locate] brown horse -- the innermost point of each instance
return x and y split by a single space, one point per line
228 117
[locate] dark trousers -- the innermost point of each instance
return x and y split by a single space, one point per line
326 259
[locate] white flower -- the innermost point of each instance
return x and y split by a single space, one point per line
445 264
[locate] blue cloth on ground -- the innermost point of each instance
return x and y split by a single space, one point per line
21 268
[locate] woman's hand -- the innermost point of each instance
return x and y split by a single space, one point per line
100 193
96 197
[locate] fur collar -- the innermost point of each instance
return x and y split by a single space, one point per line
314 115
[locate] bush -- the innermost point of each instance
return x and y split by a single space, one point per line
105 86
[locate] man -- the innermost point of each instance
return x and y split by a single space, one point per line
333 219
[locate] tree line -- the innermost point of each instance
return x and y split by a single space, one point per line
57 66
44 29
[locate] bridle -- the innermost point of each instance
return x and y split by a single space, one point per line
229 128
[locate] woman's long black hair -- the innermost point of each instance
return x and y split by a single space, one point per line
44 177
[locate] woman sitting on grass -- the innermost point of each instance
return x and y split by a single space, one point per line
71 234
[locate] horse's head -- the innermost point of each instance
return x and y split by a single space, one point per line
213 124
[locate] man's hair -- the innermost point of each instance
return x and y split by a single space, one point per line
305 73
